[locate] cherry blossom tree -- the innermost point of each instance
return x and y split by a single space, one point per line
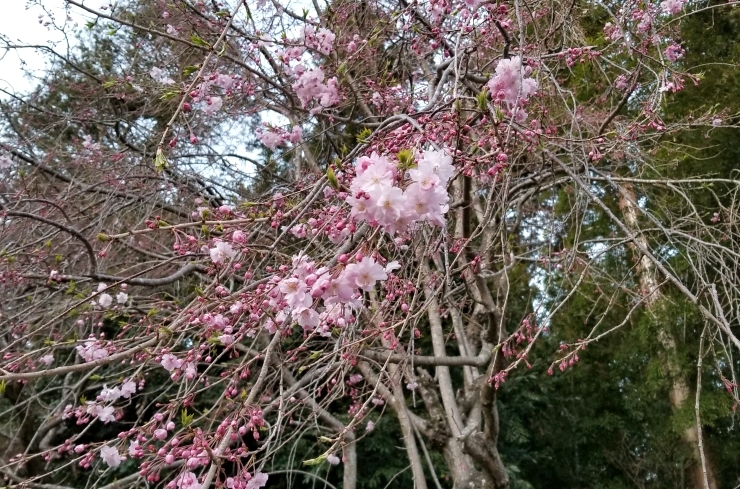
229 226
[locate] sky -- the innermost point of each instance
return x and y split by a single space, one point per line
19 23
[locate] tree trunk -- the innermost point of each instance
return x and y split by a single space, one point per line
701 473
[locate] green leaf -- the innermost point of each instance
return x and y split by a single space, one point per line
332 179
364 135
186 418
499 114
405 159
199 41
160 162
169 94
482 99
189 70
317 460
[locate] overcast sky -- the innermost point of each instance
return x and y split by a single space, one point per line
19 22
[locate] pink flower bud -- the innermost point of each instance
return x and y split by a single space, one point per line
239 237
311 279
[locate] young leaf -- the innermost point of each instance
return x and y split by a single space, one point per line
160 162
199 41
332 179
317 460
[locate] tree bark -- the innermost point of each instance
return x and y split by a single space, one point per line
397 401
679 390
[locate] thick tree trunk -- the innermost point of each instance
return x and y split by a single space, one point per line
701 473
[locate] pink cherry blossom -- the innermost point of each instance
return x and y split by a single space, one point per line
187 480
105 300
128 388
271 139
306 317
213 105
222 252
366 273
170 362
674 52
511 83
321 40
160 76
258 480
105 414
295 292
672 7
296 135
226 339
332 459
310 86
110 456
109 395
91 351
47 359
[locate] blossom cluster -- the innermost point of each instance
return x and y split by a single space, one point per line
297 295
672 7
310 86
321 40
275 137
512 86
376 197
674 52
92 350
105 300
102 407
221 252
